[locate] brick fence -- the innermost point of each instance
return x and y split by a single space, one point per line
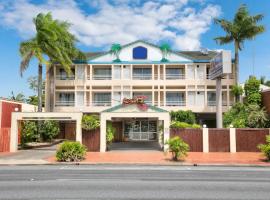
222 140
4 139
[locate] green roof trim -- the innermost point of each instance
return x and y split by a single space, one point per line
157 109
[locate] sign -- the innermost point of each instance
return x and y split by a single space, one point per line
139 53
220 65
139 101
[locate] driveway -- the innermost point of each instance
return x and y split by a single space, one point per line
30 156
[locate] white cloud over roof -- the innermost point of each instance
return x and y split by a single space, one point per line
118 21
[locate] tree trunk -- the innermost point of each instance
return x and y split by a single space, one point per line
236 63
39 87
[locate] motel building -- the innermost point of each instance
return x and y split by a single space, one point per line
136 93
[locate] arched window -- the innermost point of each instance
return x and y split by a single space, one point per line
139 53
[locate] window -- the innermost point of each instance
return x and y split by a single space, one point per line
102 73
65 99
63 75
211 98
174 73
142 73
175 99
102 99
139 53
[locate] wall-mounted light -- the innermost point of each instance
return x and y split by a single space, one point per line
16 109
204 126
231 126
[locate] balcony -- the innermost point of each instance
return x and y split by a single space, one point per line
142 76
61 77
175 103
175 76
65 103
102 77
101 103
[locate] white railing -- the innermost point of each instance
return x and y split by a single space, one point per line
211 103
101 103
65 103
61 77
101 77
175 76
175 103
142 76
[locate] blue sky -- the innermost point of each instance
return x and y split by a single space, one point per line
186 24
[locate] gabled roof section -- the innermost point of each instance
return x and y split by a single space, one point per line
198 55
92 55
122 108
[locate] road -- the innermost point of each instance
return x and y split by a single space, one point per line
133 182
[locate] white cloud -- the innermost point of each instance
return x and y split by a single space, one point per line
118 21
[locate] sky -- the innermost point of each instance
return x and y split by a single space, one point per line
185 24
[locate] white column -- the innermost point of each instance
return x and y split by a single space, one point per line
90 73
232 140
166 133
205 140
13 146
102 133
153 70
78 130
219 103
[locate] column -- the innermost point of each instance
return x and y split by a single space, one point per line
219 103
78 130
153 70
102 133
205 140
13 145
166 133
91 73
232 140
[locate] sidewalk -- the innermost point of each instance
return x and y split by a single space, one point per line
159 158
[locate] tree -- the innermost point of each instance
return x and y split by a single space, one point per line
252 91
115 50
19 97
263 80
165 50
33 85
53 40
243 27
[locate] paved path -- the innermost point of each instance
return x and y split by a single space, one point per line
137 182
31 156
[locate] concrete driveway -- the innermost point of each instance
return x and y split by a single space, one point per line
30 156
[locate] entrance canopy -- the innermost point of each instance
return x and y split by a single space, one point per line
132 111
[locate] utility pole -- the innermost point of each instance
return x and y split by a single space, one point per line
219 103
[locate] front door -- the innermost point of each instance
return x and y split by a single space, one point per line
141 130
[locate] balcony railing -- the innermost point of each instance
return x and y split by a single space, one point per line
101 103
61 77
65 103
213 103
102 77
175 76
175 103
142 76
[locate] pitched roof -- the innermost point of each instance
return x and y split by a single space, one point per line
193 55
115 108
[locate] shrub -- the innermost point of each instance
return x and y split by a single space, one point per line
90 122
183 116
29 132
236 116
110 132
252 90
265 148
257 116
70 152
177 124
49 130
237 90
177 147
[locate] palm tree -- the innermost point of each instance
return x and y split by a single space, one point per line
115 50
243 27
53 40
165 50
19 97
263 80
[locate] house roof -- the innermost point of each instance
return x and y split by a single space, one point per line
193 55
120 106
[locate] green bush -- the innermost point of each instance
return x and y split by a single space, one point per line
237 90
257 117
90 122
29 132
265 148
177 147
183 116
110 132
71 152
49 130
252 90
237 116
177 124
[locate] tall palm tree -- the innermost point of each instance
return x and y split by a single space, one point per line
115 50
242 27
165 50
53 40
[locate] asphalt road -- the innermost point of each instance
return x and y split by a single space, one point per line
133 182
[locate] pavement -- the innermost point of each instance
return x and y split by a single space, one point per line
134 182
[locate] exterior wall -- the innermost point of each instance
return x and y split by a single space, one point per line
4 139
158 86
6 110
